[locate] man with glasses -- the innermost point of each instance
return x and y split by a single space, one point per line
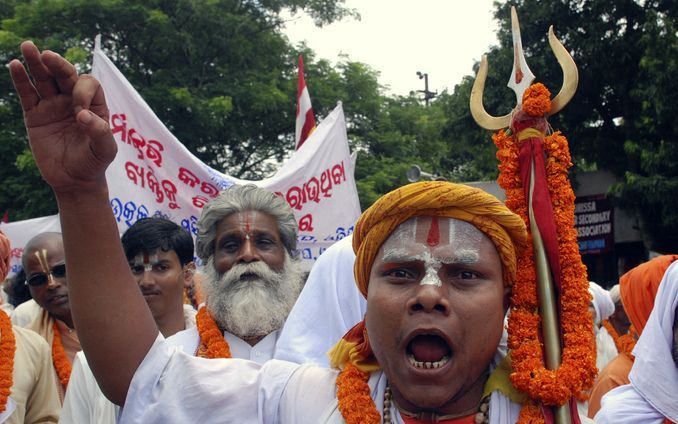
27 380
45 265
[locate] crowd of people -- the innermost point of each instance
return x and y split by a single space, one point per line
402 322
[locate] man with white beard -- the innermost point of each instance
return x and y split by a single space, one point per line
247 240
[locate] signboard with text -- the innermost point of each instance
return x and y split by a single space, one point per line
594 222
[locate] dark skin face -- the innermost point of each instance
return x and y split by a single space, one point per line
163 283
619 319
246 237
52 296
453 296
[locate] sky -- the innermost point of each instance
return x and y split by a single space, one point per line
442 38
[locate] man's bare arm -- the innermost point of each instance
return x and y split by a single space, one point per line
67 122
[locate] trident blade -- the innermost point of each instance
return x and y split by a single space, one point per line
521 75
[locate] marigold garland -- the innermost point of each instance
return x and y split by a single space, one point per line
61 363
613 333
212 343
578 369
628 342
7 349
353 393
537 100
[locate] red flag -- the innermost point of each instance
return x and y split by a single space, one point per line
305 120
5 217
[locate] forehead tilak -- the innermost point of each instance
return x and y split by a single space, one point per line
246 221
42 259
437 236
146 259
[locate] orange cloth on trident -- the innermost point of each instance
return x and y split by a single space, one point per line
4 256
505 229
639 286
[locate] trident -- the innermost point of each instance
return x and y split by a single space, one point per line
520 80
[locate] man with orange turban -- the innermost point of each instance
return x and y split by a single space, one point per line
436 261
638 289
27 381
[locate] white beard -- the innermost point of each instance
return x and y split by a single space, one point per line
253 307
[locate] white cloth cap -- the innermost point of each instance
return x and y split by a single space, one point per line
615 294
602 303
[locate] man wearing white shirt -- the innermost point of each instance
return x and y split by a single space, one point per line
160 256
247 241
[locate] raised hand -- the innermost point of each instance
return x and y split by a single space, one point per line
67 121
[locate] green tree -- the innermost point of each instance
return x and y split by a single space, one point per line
220 74
623 118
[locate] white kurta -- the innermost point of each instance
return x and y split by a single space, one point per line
32 393
171 386
653 392
25 313
261 352
84 401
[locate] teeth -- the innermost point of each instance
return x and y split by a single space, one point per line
427 365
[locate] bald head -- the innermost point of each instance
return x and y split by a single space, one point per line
47 240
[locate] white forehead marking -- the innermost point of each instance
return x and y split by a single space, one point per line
147 261
464 238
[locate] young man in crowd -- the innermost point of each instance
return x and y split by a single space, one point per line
160 256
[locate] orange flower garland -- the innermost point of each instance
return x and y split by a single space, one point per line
353 392
212 343
628 341
537 100
613 333
61 363
7 349
578 369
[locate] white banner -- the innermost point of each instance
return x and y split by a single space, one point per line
154 174
21 231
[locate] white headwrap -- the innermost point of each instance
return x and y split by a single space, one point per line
615 294
602 303
653 392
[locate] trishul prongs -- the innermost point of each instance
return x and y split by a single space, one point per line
521 78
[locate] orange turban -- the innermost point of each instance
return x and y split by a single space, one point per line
4 256
639 287
437 198
505 229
